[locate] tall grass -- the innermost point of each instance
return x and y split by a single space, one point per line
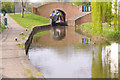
107 32
2 28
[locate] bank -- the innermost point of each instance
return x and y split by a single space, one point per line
31 31
2 28
107 35
14 59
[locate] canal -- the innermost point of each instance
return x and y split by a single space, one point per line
60 54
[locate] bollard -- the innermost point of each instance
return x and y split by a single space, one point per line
5 21
84 8
22 33
26 29
84 40
89 41
16 39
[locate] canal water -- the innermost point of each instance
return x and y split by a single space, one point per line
57 55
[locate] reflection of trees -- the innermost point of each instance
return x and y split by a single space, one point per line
101 69
119 71
97 69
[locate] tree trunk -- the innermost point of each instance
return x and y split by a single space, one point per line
22 10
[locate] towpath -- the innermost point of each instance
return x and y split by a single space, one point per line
13 61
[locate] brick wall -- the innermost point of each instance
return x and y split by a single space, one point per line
69 9
85 19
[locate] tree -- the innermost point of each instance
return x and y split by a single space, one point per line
100 12
81 3
115 15
93 6
23 5
8 7
109 13
22 8
77 3
97 12
119 18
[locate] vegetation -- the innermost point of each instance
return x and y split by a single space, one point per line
30 20
7 7
23 37
40 34
108 13
21 45
30 73
98 8
107 32
81 3
115 15
2 28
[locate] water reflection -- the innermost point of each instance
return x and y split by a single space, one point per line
119 59
70 62
58 32
105 62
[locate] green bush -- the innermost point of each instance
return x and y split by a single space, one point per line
7 7
86 28
2 28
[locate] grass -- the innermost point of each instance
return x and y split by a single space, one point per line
40 34
30 20
21 45
3 27
23 37
107 32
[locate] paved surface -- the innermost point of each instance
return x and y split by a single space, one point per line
12 58
79 15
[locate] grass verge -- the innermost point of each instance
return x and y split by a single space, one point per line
2 28
30 20
107 32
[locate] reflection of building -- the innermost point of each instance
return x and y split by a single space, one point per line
58 32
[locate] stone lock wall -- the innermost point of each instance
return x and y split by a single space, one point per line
33 31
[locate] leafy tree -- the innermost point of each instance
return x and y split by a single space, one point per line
81 3
115 15
93 6
109 13
119 18
77 3
8 7
96 17
100 12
